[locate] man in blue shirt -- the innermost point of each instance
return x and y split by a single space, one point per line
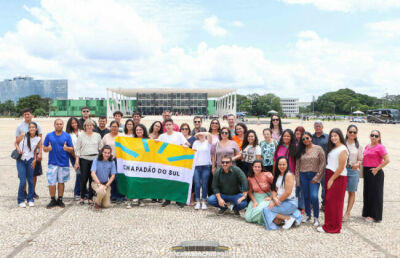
320 138
59 145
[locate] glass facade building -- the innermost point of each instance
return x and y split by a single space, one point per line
182 103
20 87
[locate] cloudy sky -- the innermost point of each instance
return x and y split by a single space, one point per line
293 48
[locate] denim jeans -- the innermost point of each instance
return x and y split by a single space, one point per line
300 197
213 201
25 173
310 192
288 207
201 175
77 187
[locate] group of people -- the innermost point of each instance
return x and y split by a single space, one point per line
276 180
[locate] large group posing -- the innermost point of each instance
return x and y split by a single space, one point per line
276 180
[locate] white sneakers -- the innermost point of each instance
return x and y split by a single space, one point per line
128 206
23 205
305 219
141 203
288 223
316 222
320 229
202 204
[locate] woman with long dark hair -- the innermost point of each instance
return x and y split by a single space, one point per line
251 151
283 204
129 128
240 132
73 130
286 148
27 146
353 167
259 192
310 165
335 182
155 130
103 172
375 158
276 126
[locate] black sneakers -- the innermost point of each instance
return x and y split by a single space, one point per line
35 196
53 203
181 205
166 203
60 203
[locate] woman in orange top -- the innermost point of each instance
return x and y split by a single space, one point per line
240 131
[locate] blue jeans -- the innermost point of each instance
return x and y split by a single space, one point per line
77 187
201 175
213 201
310 192
288 207
323 189
300 197
25 173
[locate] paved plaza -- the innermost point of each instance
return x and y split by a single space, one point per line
151 231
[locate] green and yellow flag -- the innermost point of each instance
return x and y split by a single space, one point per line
156 170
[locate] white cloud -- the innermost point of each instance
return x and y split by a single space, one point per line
80 43
211 26
237 24
348 5
387 29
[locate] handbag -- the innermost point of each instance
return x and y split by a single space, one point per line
15 155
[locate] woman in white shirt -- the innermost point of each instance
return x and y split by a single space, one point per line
129 127
72 129
26 145
251 151
335 182
283 204
202 170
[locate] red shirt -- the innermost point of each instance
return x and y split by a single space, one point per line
261 183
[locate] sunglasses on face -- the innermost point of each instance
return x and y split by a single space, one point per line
85 111
197 122
352 132
225 162
275 120
374 135
224 132
214 123
306 139
185 129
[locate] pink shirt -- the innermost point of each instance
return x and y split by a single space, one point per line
373 156
282 152
261 184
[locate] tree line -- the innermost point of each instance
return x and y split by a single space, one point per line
40 106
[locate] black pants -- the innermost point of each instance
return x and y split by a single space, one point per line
85 166
210 179
373 194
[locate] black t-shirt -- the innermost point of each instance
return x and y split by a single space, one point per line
82 121
102 132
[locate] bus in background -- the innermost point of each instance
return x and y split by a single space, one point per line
383 116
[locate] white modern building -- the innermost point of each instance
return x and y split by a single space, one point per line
153 101
290 106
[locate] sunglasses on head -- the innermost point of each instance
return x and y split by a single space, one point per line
352 132
306 138
225 162
374 135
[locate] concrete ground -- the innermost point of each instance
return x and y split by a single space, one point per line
150 231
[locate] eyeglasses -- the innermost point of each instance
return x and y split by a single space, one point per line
274 120
374 135
215 123
305 139
85 111
352 132
197 122
224 132
225 162
186 129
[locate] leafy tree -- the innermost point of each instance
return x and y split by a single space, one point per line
35 102
8 108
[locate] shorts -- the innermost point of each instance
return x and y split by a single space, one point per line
38 169
56 174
